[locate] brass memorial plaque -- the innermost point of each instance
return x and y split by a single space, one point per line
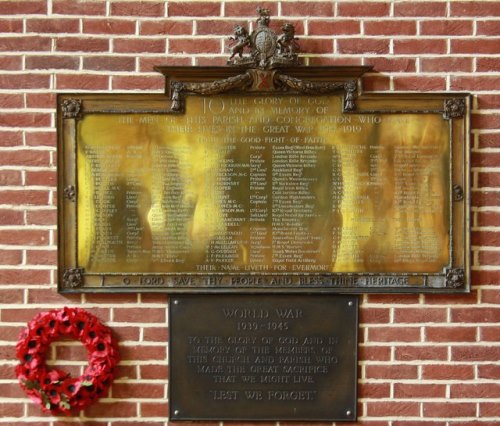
265 357
262 189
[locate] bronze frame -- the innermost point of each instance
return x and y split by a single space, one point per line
182 81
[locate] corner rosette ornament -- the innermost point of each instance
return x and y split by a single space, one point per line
454 108
71 108
455 278
73 277
53 389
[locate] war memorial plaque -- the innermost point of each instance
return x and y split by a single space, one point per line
264 175
264 357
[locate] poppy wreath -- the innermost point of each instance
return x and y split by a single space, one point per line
55 390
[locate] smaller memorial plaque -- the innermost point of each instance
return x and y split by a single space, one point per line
263 357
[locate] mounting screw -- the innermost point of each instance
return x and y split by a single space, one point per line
176 412
350 303
348 413
176 302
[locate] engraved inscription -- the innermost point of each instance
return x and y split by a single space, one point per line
268 184
254 353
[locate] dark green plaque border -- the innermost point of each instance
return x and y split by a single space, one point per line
194 395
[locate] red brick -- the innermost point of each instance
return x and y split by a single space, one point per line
485 238
73 353
486 390
28 119
419 315
339 60
127 333
489 334
9 177
420 9
108 26
394 334
485 198
374 390
194 9
25 44
417 353
357 9
25 81
390 27
112 409
475 353
57 25
143 353
375 353
394 299
474 8
10 296
18 276
25 7
474 83
374 315
139 46
154 298
446 27
449 409
126 372
156 372
49 296
245 8
10 257
446 64
82 44
485 218
475 315
147 64
410 390
487 64
488 371
110 298
138 82
149 315
490 296
167 27
142 390
487 28
362 45
419 83
476 46
485 277
422 45
24 197
391 372
489 409
485 101
155 334
109 63
138 8
393 408
11 26
82 82
70 7
13 100
389 64
41 217
23 237
302 8
211 27
194 46
154 409
41 100
11 217
41 138
489 258
41 257
11 63
11 410
334 27
457 299
450 334
24 157
447 372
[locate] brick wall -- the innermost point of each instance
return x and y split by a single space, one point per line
424 360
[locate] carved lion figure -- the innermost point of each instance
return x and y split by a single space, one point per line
286 42
242 40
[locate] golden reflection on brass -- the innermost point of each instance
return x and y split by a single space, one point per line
263 184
